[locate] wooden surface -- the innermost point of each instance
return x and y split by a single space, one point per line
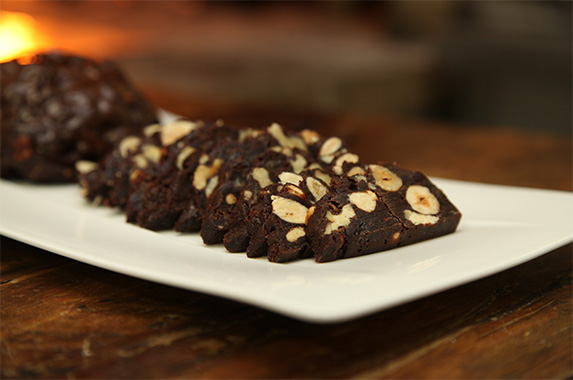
64 319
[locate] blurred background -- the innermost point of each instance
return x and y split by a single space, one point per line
505 64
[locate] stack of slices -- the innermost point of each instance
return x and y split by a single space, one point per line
274 192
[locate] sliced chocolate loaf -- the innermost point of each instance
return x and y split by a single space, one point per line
270 192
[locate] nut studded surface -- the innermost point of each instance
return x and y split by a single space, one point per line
270 192
63 108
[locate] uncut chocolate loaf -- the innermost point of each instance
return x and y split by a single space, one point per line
56 109
272 192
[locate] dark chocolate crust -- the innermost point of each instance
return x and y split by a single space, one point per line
58 109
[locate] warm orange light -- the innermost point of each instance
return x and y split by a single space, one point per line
19 36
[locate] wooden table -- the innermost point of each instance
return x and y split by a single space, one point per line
64 319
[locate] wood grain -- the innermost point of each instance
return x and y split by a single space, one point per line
84 322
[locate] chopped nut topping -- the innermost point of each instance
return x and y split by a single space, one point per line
309 136
288 210
152 129
135 174
288 177
175 130
295 234
151 153
323 176
364 200
211 185
295 190
203 159
339 220
317 188
309 213
129 145
291 142
298 164
385 178
185 152
261 175
140 161
422 200
417 218
357 170
330 146
85 167
340 161
248 133
204 172
231 199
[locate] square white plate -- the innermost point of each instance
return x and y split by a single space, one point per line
501 227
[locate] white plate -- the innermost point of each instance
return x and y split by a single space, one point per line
501 227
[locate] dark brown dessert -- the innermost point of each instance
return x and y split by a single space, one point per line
59 109
268 192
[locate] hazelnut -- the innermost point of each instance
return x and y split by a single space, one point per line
211 185
298 164
152 129
385 178
231 199
139 161
341 219
322 176
417 218
309 136
295 190
340 161
175 130
288 210
364 200
356 170
151 153
316 188
277 132
84 167
288 177
330 146
183 155
422 200
261 175
295 233
129 145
